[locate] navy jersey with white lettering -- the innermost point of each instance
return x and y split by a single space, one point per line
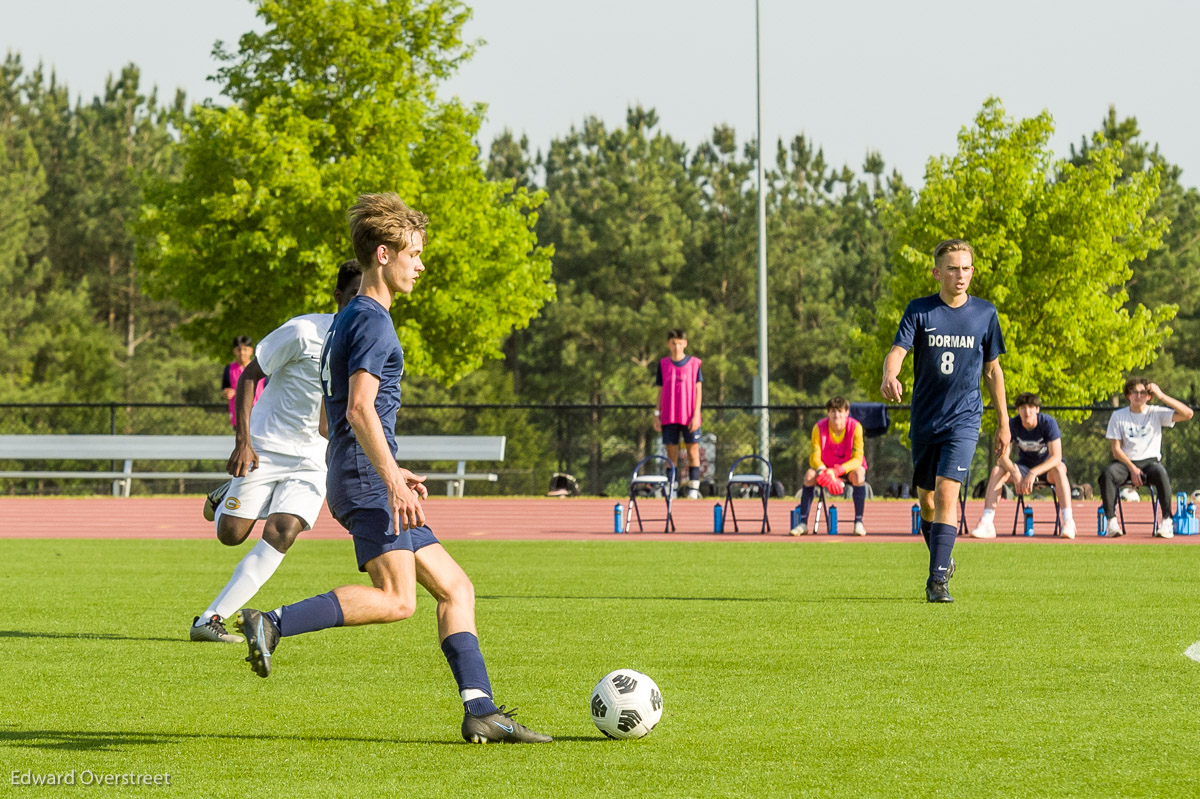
1033 446
949 348
362 337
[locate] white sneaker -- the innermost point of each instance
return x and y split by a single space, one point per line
1114 528
800 529
1166 529
1068 529
859 529
985 529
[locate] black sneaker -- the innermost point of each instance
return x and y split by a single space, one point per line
213 630
936 591
262 636
213 500
499 727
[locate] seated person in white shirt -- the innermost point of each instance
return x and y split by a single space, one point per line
1135 434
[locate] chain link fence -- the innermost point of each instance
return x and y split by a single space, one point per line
597 444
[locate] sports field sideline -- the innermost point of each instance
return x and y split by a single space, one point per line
533 518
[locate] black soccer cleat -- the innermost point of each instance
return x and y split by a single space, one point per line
213 501
212 630
499 727
262 636
936 591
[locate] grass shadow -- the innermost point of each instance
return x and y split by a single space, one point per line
85 636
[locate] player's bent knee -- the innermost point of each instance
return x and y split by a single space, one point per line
232 531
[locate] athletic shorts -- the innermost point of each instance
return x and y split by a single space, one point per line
673 432
371 528
950 459
281 484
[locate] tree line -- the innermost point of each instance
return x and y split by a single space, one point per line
140 235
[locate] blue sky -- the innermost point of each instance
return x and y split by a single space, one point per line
901 78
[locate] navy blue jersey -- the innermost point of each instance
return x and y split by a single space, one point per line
949 347
1033 446
361 338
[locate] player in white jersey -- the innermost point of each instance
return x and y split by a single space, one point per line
278 461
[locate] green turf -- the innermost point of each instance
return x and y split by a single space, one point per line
786 670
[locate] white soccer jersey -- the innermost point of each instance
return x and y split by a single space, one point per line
285 419
1140 434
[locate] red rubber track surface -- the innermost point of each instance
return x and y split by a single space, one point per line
534 518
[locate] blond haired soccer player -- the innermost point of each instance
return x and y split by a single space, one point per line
837 452
1039 454
954 338
376 500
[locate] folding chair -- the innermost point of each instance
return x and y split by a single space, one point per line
751 482
1153 507
665 483
1040 482
821 503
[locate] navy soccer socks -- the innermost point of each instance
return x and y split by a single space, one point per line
315 613
693 472
860 499
806 498
926 526
941 544
466 663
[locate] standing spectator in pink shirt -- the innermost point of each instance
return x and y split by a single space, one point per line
678 415
243 353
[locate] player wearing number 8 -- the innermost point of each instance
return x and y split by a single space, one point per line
955 339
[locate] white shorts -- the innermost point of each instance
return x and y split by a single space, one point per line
281 484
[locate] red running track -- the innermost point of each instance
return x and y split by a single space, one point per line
535 518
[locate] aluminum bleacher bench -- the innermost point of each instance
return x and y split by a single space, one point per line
130 448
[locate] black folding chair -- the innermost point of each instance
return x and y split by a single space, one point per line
1039 483
751 482
655 482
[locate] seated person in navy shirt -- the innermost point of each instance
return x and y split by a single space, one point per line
1039 455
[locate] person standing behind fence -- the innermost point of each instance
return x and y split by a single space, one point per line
837 451
1135 435
1039 448
955 339
680 383
243 353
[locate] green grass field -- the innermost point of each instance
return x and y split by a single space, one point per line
786 670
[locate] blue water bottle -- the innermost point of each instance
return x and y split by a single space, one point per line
916 519
1179 519
618 519
1191 519
1101 522
832 520
718 519
795 517
1028 521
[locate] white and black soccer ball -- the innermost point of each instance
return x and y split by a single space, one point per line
626 704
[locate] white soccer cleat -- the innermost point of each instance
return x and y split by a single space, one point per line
1068 529
1114 528
859 529
985 529
800 529
1166 529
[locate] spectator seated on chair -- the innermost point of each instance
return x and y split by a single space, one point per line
1135 435
1039 456
837 456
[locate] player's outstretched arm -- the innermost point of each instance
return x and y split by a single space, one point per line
891 387
993 378
244 459
368 430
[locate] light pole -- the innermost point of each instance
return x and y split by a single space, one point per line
764 419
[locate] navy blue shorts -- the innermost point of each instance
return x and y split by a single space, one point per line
373 535
673 432
950 459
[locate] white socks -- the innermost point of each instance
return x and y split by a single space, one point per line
1066 515
249 575
988 513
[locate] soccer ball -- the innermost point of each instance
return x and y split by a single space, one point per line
626 704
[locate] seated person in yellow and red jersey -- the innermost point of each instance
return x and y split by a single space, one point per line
837 452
